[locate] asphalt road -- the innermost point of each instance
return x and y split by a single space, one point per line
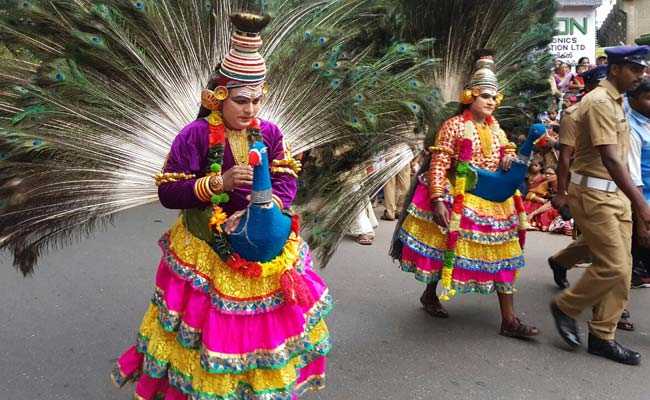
61 329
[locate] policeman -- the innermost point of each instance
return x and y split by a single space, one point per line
600 182
577 251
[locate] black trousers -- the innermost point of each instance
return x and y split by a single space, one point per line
640 258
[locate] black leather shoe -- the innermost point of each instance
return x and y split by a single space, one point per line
559 274
566 326
612 350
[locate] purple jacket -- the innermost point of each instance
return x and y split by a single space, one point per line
189 154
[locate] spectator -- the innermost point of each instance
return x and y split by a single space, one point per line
601 60
363 226
578 83
395 191
638 113
563 77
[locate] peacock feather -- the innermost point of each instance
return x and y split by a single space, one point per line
92 95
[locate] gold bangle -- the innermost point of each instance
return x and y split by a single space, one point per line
202 189
435 190
278 201
215 184
284 170
441 149
167 177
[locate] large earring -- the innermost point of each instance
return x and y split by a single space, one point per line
466 97
498 98
209 100
221 93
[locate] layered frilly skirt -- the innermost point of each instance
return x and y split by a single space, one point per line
211 333
488 254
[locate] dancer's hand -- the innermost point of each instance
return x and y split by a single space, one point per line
440 214
237 176
506 162
233 221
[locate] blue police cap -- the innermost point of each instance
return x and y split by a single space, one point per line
595 74
628 54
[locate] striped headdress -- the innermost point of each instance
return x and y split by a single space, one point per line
244 65
484 76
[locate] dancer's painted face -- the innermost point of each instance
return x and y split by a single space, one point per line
241 106
484 105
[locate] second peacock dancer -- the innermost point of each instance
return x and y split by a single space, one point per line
237 311
459 230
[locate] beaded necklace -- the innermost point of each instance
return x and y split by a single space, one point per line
239 145
485 137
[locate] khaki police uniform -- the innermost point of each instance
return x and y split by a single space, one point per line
578 250
395 191
602 212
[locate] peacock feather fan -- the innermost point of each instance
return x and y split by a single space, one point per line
361 98
92 94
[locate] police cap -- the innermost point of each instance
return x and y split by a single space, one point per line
595 74
628 54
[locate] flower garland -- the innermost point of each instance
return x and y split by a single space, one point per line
219 242
465 181
523 218
217 144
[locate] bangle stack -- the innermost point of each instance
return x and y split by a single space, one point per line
204 190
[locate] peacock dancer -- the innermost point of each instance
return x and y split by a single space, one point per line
463 226
237 311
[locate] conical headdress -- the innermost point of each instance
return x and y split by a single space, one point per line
484 77
244 65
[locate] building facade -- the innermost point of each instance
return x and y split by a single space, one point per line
627 23
576 30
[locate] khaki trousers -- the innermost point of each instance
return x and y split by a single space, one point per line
395 191
605 220
575 253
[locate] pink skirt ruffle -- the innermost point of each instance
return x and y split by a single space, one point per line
229 336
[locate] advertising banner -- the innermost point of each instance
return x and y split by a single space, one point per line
576 36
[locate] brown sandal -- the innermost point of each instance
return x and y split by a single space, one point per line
365 239
517 329
434 308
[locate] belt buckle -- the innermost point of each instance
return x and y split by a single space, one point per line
584 180
609 188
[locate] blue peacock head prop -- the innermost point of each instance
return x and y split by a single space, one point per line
263 229
535 133
500 185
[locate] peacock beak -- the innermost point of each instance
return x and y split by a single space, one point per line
254 158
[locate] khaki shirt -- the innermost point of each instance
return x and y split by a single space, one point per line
602 121
569 126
